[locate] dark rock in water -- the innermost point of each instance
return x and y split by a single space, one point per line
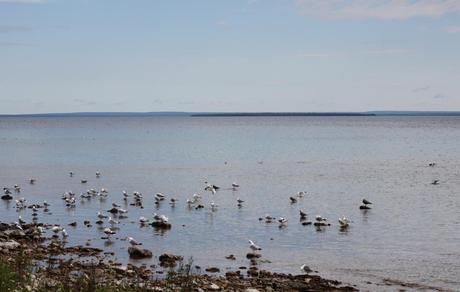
252 255
7 197
364 207
113 210
306 223
137 253
321 223
169 260
213 270
230 257
159 224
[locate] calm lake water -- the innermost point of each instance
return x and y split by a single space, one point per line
412 233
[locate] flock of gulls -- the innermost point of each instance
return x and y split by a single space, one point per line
109 220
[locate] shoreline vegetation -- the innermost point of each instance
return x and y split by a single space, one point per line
31 262
246 114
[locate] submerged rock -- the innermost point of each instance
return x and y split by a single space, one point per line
253 255
169 260
7 197
138 253
160 224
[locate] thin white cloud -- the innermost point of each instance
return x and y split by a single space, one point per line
378 9
453 29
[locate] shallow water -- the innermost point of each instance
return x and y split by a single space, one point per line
412 234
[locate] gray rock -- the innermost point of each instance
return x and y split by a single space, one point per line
137 253
9 244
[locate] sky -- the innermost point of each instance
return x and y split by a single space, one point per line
233 55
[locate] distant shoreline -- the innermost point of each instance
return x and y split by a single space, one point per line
244 114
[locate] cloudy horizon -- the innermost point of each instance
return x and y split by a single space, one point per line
229 56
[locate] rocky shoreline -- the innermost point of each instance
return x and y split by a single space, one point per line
48 264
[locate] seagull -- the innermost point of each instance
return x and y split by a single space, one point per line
132 241
366 202
235 186
70 173
435 182
143 220
319 218
56 229
46 204
101 216
303 215
64 233
293 200
211 188
173 201
344 222
112 221
282 221
83 181
109 231
305 268
240 202
213 206
98 174
301 194
254 246
160 218
115 205
32 181
432 164
21 221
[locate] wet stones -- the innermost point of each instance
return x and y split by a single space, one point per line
138 253
252 255
212 270
169 260
161 225
7 197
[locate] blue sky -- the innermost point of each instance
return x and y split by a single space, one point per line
235 55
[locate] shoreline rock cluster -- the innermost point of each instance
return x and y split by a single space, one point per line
56 266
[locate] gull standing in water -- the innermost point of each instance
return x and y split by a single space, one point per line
235 186
132 241
365 205
240 202
282 221
344 222
303 215
254 247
